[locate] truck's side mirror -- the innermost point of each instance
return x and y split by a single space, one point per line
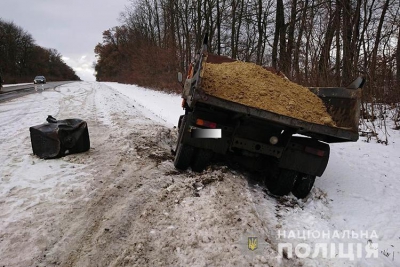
180 77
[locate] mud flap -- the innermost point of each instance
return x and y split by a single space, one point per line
58 138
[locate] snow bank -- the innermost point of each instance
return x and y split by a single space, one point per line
159 106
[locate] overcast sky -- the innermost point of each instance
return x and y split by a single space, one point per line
73 27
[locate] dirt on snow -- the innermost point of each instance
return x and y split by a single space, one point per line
128 205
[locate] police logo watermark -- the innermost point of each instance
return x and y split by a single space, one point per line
252 243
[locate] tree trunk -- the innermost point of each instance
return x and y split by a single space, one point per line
356 39
233 28
398 63
338 44
239 26
218 28
290 40
296 58
375 49
279 25
260 28
323 77
347 36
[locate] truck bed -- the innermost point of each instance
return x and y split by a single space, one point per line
341 103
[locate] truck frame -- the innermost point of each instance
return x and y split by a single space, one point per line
288 152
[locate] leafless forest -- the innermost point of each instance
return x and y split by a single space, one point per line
314 42
21 59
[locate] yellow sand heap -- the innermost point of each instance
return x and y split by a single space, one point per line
252 85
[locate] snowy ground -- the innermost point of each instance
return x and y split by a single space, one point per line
123 204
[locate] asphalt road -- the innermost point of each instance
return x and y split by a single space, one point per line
11 92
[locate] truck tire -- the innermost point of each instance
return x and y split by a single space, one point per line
183 156
201 159
281 182
303 185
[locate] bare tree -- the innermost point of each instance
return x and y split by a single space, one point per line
398 61
279 30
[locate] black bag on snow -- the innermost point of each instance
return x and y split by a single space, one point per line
58 138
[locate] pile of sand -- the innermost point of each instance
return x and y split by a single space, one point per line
252 85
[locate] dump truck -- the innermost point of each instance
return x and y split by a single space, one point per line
288 152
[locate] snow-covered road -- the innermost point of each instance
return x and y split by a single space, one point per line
123 203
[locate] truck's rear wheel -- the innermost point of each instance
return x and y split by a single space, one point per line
303 185
281 182
201 159
183 156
